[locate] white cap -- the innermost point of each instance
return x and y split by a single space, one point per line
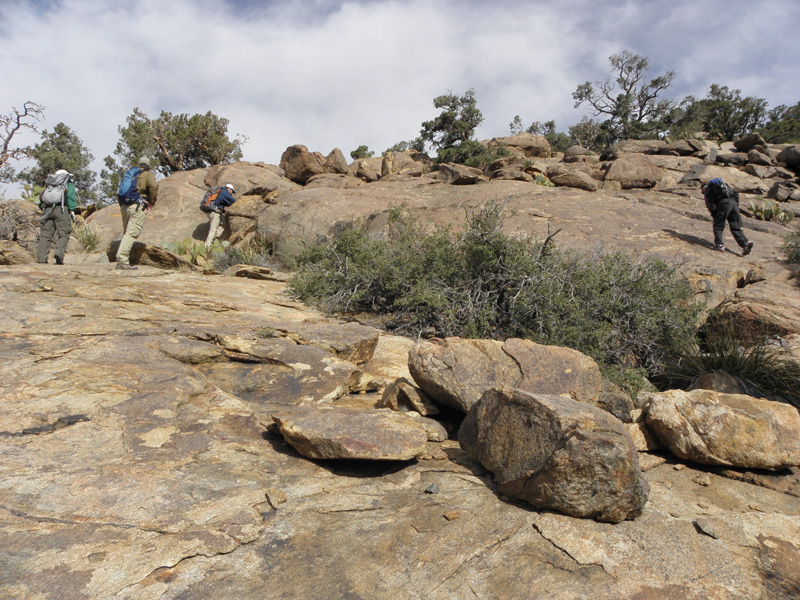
230 185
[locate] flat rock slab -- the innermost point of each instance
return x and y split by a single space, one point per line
348 433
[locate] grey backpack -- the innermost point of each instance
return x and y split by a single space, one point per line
55 190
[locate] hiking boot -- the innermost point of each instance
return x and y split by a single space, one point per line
59 260
747 248
719 248
124 267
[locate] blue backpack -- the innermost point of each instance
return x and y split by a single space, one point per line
128 193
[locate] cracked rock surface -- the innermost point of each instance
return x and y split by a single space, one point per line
139 460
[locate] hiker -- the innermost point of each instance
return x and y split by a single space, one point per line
216 210
722 202
58 202
137 194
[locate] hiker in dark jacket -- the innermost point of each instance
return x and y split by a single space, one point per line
722 202
215 226
57 218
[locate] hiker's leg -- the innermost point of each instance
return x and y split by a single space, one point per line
133 227
46 231
63 224
735 223
214 229
720 218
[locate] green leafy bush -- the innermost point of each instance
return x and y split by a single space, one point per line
481 282
748 352
791 245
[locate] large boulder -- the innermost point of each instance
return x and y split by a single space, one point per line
576 179
335 162
300 164
526 145
367 169
456 372
456 174
400 163
712 428
790 156
555 453
749 141
11 253
633 171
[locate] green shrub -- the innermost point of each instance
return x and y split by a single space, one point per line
256 251
770 211
87 236
480 282
791 245
750 353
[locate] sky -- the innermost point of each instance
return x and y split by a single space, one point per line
341 73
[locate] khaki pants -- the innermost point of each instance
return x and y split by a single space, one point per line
132 224
215 228
56 221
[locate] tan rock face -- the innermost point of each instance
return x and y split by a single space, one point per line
136 464
726 429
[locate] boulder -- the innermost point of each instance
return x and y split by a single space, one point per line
11 253
400 163
633 171
633 147
402 396
351 433
456 174
713 428
755 157
368 169
576 179
526 145
749 141
335 162
790 156
555 453
300 164
456 371
734 159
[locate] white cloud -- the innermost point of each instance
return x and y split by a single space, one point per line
331 73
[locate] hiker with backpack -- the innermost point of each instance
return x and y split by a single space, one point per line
58 202
214 203
722 202
137 193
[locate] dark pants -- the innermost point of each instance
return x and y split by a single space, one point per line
56 221
728 212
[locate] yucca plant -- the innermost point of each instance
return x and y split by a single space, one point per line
87 236
748 352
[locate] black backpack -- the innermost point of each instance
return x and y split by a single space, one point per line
717 191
